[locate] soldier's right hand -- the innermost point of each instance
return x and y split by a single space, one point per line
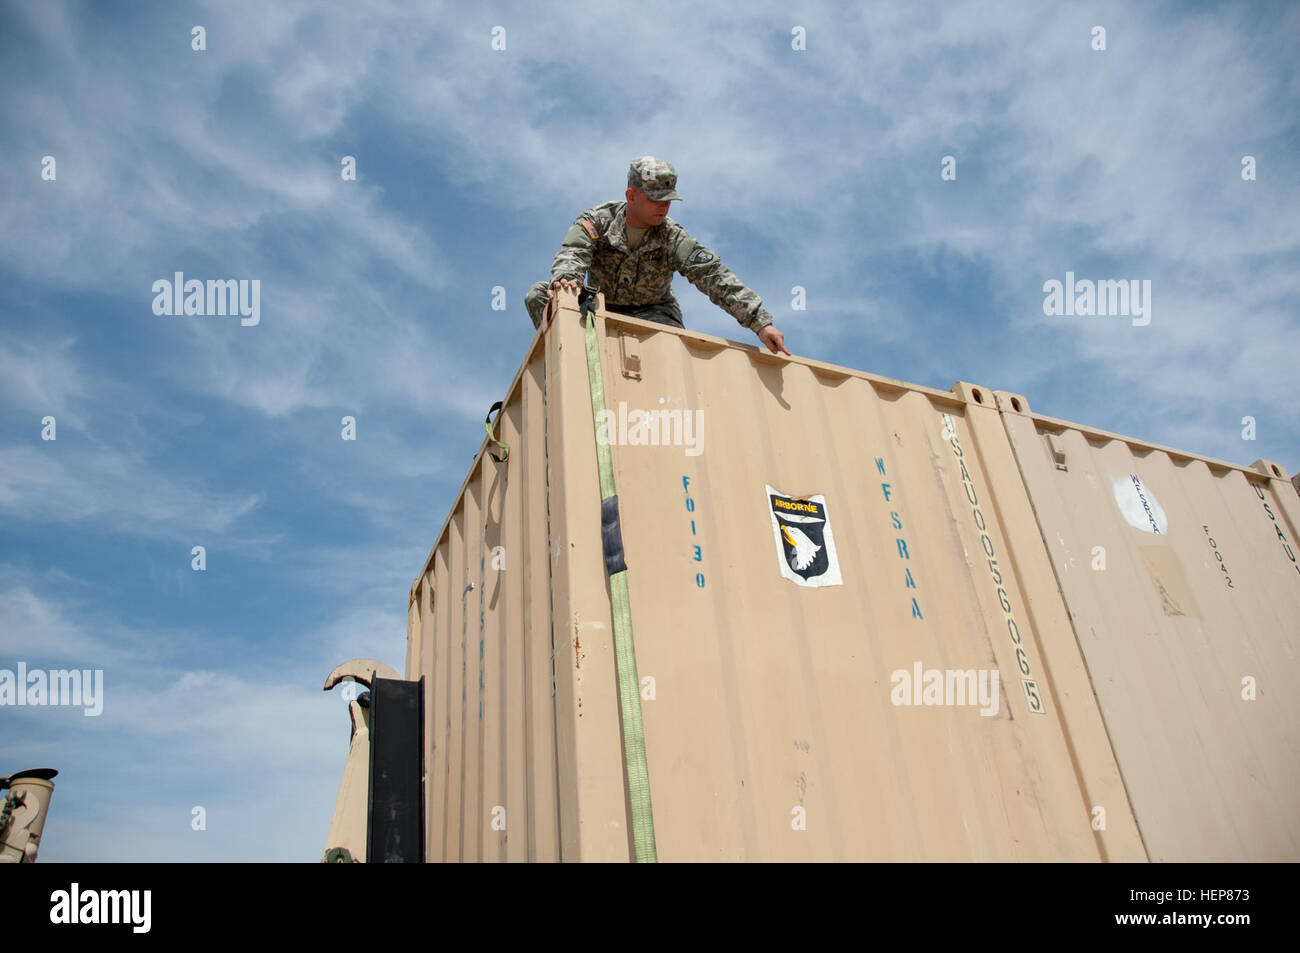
774 340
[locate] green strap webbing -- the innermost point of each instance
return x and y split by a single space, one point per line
487 425
629 688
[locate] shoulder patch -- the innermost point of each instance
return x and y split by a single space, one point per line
587 227
701 256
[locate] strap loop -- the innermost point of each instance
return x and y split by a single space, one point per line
487 425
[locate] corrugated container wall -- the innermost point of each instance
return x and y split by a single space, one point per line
851 638
1181 576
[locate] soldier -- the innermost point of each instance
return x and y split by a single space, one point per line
632 249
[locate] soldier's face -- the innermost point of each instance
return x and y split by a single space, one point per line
643 211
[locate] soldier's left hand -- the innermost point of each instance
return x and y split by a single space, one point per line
774 340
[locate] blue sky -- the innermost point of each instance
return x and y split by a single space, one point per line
818 168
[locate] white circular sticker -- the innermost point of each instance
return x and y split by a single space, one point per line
1139 505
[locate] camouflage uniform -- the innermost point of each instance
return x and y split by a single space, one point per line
638 281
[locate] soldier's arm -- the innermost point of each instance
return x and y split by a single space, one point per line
705 270
574 257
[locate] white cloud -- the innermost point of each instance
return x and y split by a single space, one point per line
58 484
256 741
41 378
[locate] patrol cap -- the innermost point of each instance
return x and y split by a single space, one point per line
655 177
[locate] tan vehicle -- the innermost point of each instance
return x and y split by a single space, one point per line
22 813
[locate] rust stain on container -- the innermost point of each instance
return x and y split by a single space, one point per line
1167 576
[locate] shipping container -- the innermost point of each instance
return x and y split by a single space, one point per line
861 620
849 639
1180 574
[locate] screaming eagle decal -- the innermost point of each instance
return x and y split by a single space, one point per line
805 547
701 256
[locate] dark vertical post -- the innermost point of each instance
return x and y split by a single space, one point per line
395 834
